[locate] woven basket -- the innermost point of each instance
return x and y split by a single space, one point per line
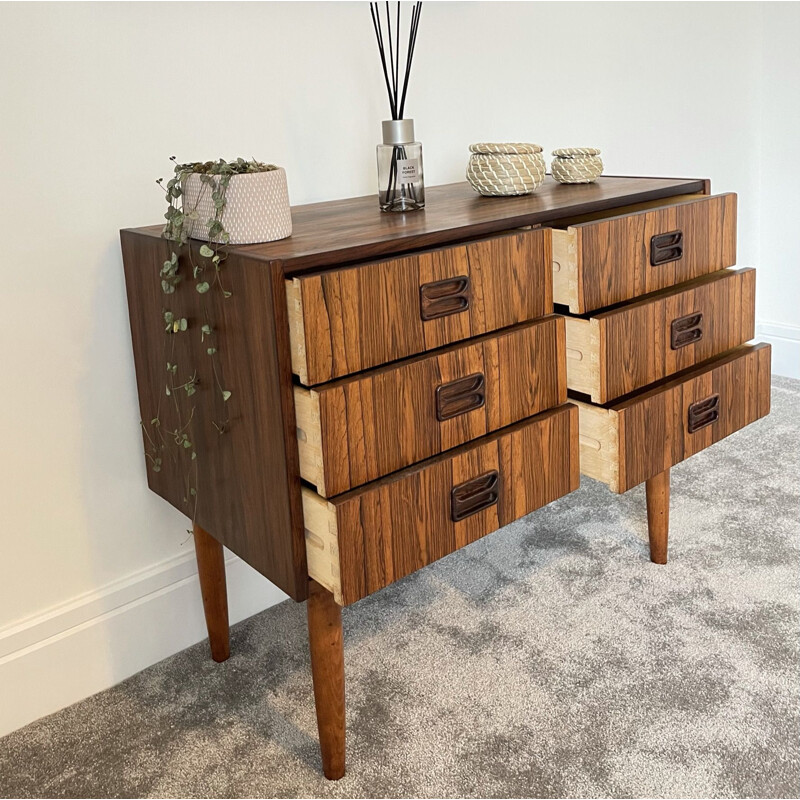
576 164
505 169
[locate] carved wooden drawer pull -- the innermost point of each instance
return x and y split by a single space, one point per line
442 298
703 413
666 247
475 495
461 396
686 330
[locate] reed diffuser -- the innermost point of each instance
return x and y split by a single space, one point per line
400 180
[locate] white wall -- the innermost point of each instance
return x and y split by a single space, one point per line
94 98
778 294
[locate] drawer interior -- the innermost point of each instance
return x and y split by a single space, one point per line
599 443
322 543
583 355
309 437
297 330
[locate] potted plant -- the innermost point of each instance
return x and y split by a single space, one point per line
252 199
220 203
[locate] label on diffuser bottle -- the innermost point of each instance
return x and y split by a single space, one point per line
407 170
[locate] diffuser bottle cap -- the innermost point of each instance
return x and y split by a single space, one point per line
398 131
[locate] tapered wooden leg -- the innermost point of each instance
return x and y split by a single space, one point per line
657 491
327 671
211 569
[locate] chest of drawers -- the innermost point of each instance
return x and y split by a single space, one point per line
399 383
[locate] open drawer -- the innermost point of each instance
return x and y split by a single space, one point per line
366 539
628 252
350 319
615 352
627 442
360 428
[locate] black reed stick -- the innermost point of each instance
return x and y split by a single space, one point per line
376 21
412 41
391 66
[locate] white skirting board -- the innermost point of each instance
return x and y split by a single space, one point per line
74 650
785 341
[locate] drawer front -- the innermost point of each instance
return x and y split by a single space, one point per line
359 429
347 320
607 261
619 351
629 442
366 539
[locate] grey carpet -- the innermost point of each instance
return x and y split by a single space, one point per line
551 659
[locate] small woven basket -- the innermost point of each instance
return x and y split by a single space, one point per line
576 164
505 169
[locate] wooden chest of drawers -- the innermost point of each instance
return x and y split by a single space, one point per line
399 383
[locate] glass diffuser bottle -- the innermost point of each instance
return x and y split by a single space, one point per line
400 181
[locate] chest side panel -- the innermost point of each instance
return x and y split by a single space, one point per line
246 478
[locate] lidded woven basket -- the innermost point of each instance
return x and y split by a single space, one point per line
576 164
505 169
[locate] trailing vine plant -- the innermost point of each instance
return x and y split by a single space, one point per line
202 273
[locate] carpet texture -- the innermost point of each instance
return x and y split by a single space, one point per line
550 659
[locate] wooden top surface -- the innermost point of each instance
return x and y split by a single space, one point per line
341 231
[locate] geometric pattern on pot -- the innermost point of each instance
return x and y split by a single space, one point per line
256 207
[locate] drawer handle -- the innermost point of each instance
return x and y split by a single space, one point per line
475 495
666 247
461 396
442 298
686 330
703 413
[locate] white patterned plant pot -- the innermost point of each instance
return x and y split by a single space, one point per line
256 207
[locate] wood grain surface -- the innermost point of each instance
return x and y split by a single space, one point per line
386 419
213 587
337 232
657 499
326 644
248 483
395 526
613 255
653 426
630 441
631 345
361 317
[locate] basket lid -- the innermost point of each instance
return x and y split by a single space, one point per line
505 148
570 152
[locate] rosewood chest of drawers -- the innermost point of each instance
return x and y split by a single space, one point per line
399 382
